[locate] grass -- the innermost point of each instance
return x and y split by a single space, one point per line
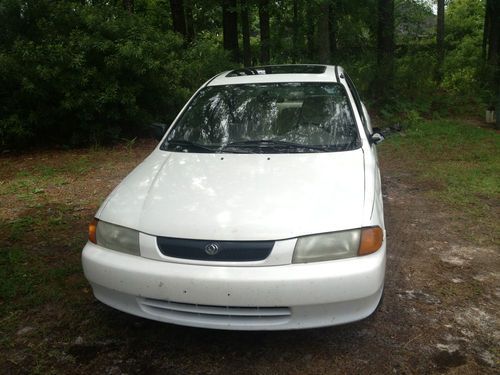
461 163
14 273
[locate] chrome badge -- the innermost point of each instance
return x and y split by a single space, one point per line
212 248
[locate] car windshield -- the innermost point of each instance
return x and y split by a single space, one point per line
271 117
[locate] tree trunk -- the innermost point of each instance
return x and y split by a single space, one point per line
492 20
310 30
295 32
440 40
497 109
245 30
333 29
190 34
323 34
230 27
383 82
178 19
128 5
264 31
486 28
494 32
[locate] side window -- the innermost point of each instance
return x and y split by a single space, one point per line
357 101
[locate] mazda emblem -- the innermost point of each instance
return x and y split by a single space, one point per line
212 248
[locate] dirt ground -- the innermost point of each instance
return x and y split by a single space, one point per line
440 312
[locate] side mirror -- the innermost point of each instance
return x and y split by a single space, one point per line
376 137
158 130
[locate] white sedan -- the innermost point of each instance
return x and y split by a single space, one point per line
260 209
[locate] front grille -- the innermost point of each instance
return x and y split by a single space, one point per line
215 314
220 251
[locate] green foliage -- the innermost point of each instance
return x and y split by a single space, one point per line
464 65
414 20
462 89
202 60
412 69
89 72
85 74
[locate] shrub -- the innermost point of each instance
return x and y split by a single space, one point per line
77 74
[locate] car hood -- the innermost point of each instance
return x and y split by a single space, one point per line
240 196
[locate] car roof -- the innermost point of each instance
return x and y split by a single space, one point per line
278 73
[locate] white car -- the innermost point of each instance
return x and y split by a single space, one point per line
260 209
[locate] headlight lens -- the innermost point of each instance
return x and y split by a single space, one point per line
117 238
327 246
337 245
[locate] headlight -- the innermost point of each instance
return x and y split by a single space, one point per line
114 237
337 245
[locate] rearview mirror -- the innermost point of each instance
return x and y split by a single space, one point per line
158 130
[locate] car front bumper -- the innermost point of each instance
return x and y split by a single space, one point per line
282 297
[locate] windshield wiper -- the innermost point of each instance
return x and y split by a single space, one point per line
180 145
274 143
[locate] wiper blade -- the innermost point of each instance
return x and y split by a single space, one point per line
275 143
181 144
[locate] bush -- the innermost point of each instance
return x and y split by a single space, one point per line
202 60
77 74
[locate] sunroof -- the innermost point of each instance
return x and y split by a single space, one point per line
278 69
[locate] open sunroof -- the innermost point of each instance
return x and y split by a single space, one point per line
278 69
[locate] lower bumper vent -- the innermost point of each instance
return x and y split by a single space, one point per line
223 315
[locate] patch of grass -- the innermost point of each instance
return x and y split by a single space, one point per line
39 258
464 159
22 174
461 163
47 171
30 185
21 187
16 278
78 166
450 293
59 181
17 228
30 282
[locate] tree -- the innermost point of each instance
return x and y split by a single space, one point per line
178 18
230 27
491 31
128 5
332 24
310 30
491 49
383 83
295 31
440 40
264 31
245 30
190 33
324 33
